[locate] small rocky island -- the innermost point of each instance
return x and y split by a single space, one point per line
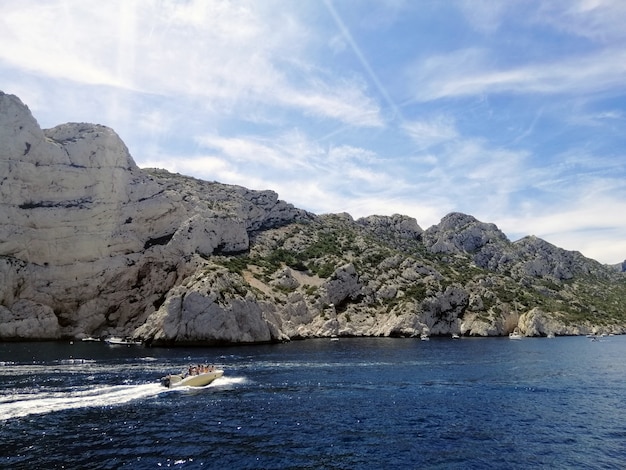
92 245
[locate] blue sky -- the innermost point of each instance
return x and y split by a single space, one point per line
511 111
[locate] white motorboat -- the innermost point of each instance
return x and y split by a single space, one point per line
196 377
118 341
455 336
424 337
89 339
515 334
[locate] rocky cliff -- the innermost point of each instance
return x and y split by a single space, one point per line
92 245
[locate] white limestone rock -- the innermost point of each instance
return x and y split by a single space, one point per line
343 285
298 319
461 233
65 197
540 258
28 320
441 312
212 308
284 279
397 225
407 324
475 325
207 233
536 323
99 241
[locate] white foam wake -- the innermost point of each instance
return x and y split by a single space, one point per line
20 405
226 381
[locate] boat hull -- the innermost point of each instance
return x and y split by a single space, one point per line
116 341
200 380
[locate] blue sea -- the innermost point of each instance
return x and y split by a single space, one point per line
362 403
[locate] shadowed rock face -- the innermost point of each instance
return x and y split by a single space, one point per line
92 245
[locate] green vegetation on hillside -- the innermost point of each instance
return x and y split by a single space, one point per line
413 274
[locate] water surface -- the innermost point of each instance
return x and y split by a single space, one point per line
354 403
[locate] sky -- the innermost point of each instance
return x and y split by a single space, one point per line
511 111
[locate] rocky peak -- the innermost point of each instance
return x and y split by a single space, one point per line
537 257
18 129
461 233
398 225
106 149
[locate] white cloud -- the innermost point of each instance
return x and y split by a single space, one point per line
466 72
228 55
426 133
599 20
485 15
345 102
290 152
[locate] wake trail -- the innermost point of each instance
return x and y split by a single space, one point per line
25 404
19 405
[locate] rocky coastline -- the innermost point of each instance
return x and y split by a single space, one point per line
92 245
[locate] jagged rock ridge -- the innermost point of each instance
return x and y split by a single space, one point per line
92 245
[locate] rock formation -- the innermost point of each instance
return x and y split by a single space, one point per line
98 241
90 244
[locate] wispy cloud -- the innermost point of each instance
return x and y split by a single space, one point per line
468 73
230 55
598 20
426 133
484 15
288 153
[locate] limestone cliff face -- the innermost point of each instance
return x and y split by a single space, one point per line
92 245
92 238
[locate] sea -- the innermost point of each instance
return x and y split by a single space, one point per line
358 403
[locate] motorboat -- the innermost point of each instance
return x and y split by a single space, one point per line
118 341
197 376
90 339
455 336
424 337
515 334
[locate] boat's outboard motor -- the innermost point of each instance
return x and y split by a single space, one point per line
170 380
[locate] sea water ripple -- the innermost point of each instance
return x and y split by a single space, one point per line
355 403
